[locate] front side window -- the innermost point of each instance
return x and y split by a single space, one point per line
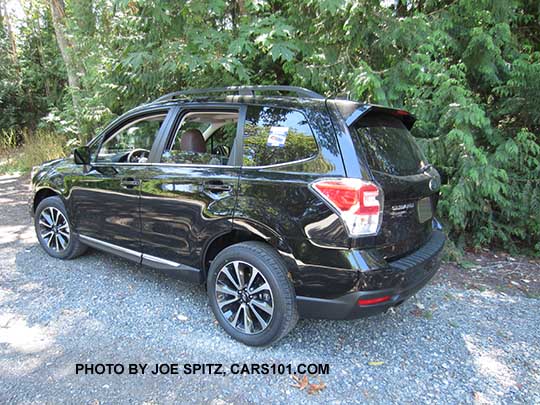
203 137
133 142
276 135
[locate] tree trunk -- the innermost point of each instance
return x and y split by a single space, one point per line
9 30
401 8
237 11
58 15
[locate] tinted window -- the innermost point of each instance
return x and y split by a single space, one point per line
137 135
388 145
215 131
211 134
276 135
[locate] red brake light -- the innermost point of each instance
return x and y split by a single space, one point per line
372 301
358 202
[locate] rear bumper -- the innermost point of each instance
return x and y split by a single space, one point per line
409 275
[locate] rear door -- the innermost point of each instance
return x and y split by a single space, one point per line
189 199
409 183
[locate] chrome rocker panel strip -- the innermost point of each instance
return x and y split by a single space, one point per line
175 269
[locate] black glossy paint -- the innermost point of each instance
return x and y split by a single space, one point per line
102 207
178 213
184 207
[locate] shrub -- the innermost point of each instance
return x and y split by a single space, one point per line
35 148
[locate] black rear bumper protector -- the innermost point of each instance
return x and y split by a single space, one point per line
418 268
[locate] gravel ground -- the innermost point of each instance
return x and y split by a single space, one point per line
446 345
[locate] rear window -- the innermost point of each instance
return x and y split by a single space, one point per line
276 135
388 145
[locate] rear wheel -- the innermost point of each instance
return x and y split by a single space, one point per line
250 294
54 230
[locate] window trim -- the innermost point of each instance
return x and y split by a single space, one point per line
303 160
292 162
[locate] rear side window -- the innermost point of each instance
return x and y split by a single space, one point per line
388 145
204 137
276 135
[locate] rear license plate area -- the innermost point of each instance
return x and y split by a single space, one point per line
424 210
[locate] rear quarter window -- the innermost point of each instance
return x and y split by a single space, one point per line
387 145
276 135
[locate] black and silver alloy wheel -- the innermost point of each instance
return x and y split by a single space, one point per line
251 294
244 297
54 229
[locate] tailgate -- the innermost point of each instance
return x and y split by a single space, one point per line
410 185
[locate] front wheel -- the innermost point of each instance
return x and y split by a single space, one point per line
54 230
251 295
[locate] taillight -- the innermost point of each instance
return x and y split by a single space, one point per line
359 203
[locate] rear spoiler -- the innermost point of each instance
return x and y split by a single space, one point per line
352 111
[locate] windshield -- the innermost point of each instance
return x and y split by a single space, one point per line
388 145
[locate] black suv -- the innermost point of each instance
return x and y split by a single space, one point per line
282 202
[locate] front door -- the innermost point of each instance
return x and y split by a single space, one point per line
106 198
191 195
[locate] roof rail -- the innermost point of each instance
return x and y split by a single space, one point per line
241 91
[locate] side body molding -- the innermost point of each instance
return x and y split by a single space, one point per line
176 270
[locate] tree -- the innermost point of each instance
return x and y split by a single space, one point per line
6 23
58 13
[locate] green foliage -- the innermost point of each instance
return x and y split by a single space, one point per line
469 70
36 82
10 88
35 148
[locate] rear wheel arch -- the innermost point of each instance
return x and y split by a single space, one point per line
239 235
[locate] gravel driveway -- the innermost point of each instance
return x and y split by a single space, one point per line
446 345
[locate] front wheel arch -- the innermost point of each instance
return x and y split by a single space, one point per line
43 193
74 247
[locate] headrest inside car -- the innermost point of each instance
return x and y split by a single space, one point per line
193 141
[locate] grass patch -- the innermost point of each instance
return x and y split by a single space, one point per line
20 152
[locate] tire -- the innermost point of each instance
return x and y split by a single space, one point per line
57 245
276 292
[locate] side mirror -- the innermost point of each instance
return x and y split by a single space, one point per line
81 155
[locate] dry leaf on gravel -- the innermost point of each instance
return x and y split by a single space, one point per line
316 388
301 383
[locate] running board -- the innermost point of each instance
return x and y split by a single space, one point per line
175 269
